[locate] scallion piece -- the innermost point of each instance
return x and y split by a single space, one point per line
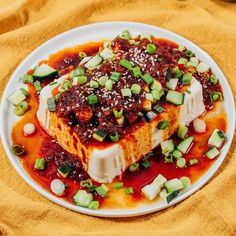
189 53
126 64
193 162
82 54
169 159
51 104
213 79
114 137
24 91
147 78
21 108
181 162
178 72
66 85
156 85
92 99
118 185
177 154
151 48
37 86
150 116
149 97
181 48
86 183
168 74
216 96
115 76
102 80
99 135
126 92
82 79
136 71
135 88
17 149
162 125
118 113
102 190
158 108
93 84
108 85
78 71
28 79
40 164
182 61
53 83
129 190
64 170
133 167
186 79
125 35
94 205
146 164
156 94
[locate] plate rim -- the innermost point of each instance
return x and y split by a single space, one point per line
117 212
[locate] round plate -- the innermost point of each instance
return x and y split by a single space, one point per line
96 32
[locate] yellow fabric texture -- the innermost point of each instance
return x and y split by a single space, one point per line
26 24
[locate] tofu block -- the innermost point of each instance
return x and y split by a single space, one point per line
103 164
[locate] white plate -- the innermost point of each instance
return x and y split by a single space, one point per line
95 32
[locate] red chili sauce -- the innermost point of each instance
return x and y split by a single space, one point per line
41 144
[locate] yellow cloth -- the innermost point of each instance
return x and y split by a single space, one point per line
26 24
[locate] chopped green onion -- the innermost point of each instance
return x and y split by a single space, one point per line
92 99
216 96
125 35
82 54
51 104
99 135
82 79
24 91
182 61
186 79
78 71
159 59
53 83
118 185
181 162
193 162
94 205
147 78
126 92
115 76
178 72
189 53
117 113
181 48
133 167
40 164
156 85
102 80
151 48
37 86
149 97
168 74
137 72
108 85
150 116
92 188
162 125
158 108
86 183
66 85
169 159
155 94
125 63
182 131
129 190
114 137
94 84
17 149
135 88
177 154
17 97
146 164
102 190
28 79
21 108
213 79
64 170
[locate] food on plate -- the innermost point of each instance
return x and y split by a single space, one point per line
135 117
